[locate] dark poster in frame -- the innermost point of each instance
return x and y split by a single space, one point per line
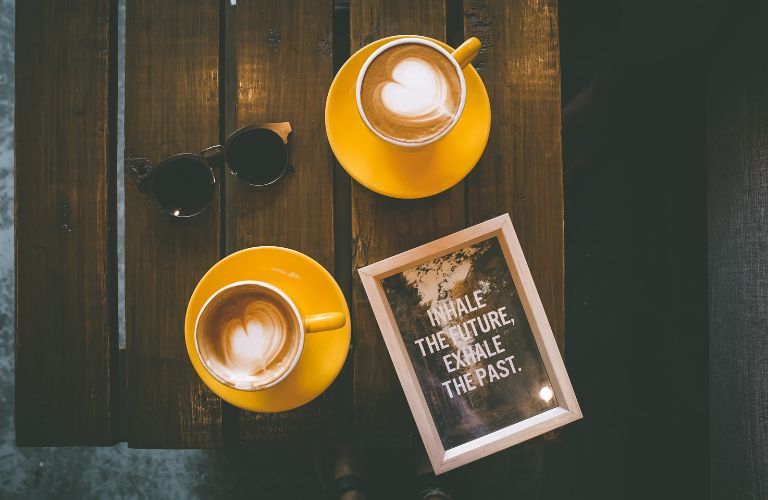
470 343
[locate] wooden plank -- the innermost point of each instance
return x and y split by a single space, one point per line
172 106
284 69
66 292
521 171
382 227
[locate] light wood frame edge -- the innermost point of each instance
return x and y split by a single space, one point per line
568 411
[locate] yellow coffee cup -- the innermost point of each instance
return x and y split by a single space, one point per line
249 335
411 91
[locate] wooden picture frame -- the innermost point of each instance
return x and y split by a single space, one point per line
566 408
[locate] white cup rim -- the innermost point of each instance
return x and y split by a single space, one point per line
389 45
293 307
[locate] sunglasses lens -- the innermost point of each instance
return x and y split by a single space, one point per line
257 156
183 186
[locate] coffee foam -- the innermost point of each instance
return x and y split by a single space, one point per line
248 337
410 93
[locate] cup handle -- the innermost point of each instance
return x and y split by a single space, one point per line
324 321
467 51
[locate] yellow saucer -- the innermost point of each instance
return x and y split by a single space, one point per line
313 290
397 171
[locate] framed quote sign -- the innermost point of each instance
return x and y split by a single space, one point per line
471 343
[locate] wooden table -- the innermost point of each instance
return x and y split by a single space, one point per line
195 70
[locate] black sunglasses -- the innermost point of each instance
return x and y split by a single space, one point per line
183 185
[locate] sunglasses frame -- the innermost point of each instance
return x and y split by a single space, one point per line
215 157
218 153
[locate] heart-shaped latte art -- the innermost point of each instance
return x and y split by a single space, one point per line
253 340
416 90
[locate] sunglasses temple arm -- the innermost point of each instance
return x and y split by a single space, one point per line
140 170
289 167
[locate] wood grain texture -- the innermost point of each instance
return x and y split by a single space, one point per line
172 106
382 227
66 295
284 70
521 171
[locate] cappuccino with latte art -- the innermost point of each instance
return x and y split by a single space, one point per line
249 336
410 92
